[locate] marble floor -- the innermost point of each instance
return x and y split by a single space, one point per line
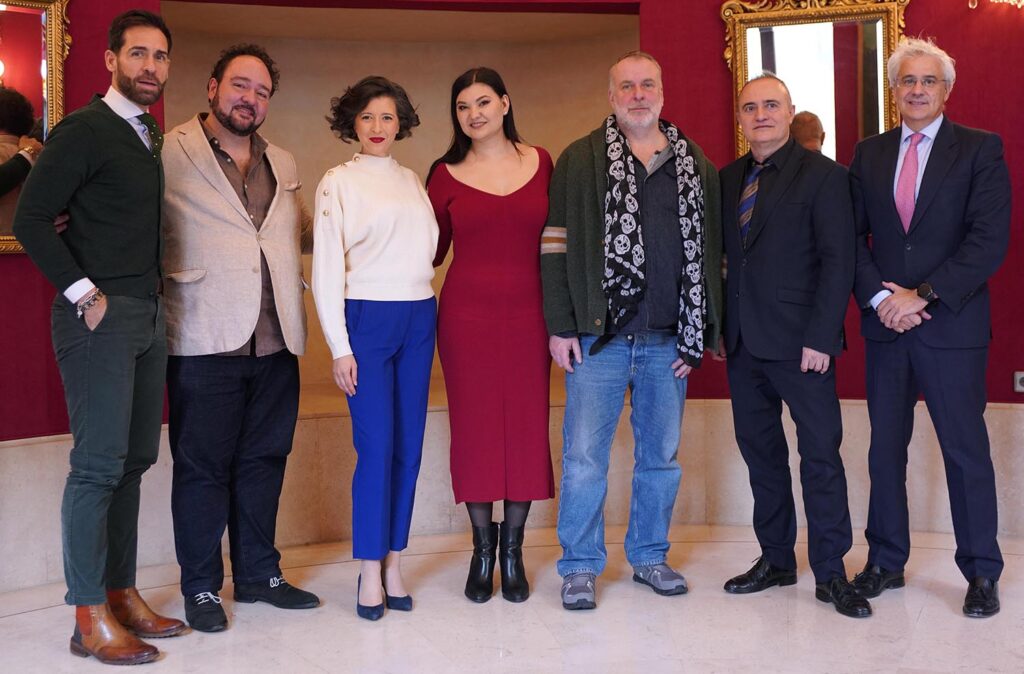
916 629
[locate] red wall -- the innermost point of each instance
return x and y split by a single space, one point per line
688 39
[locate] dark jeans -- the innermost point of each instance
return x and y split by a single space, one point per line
232 419
113 383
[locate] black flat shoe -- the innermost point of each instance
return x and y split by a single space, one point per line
480 581
367 612
839 592
873 580
982 600
395 603
276 592
761 576
204 613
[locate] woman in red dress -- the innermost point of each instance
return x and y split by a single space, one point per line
490 197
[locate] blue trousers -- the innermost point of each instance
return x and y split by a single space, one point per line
393 343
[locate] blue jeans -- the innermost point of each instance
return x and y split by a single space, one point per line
595 395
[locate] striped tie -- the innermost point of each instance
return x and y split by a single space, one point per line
748 197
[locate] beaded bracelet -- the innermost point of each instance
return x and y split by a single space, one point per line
88 303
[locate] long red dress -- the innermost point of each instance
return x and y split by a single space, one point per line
492 339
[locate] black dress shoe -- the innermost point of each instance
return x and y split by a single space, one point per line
840 592
982 600
276 592
870 582
761 576
203 612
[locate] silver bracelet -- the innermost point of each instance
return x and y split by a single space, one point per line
88 303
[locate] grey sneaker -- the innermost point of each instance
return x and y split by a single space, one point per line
579 591
660 578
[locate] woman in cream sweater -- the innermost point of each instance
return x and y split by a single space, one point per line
375 237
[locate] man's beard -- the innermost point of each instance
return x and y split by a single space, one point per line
229 123
134 93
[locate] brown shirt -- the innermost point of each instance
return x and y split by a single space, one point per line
256 192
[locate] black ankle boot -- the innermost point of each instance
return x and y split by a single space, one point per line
514 586
480 583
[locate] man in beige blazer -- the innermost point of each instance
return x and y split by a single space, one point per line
232 233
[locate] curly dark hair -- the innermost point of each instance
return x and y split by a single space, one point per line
345 108
16 116
254 50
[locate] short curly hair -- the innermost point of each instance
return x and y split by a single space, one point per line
345 108
16 116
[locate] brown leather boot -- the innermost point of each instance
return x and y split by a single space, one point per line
97 633
131 610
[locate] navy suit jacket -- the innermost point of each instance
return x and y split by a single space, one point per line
957 237
789 286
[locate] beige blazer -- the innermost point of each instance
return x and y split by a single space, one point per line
211 259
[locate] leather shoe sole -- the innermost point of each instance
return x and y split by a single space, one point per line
142 658
980 612
782 580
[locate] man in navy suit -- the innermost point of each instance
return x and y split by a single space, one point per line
932 204
789 239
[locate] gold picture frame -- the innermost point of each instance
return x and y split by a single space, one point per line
740 15
58 44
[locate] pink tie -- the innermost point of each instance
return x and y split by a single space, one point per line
907 183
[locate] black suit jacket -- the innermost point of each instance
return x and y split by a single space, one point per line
789 286
957 238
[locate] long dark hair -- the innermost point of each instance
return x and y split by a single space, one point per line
461 143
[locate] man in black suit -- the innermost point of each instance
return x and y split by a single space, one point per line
789 240
932 204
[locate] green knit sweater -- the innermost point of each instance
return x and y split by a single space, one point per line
572 247
97 168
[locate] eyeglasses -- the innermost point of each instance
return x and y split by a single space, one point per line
909 82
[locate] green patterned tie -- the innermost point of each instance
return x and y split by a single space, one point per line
156 136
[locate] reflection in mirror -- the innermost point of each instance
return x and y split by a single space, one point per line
33 45
833 70
830 53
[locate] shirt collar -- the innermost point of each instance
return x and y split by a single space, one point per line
929 131
778 158
120 104
257 144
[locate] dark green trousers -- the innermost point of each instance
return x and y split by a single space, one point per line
114 386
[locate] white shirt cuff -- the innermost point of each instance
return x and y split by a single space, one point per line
78 290
879 296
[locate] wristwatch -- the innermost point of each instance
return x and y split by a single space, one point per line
925 292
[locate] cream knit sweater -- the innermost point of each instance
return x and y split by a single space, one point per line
374 239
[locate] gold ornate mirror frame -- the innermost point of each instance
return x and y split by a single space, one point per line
58 44
741 15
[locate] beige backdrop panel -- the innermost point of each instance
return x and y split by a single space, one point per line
559 93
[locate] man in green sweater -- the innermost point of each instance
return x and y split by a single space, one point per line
102 166
631 266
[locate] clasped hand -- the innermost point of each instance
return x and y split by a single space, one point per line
903 310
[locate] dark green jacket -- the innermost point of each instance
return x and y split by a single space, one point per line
572 247
97 168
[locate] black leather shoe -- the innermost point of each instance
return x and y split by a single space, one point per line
839 592
375 612
761 576
870 582
276 592
480 582
514 586
982 600
203 612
